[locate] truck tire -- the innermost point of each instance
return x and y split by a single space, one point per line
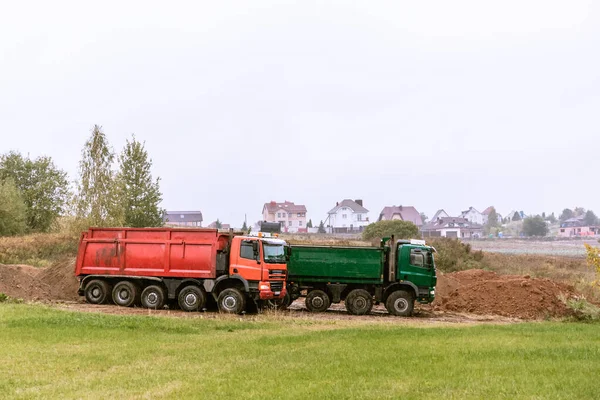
97 291
282 304
153 297
125 294
359 302
400 303
231 301
191 298
317 301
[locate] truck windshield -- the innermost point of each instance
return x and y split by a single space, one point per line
274 253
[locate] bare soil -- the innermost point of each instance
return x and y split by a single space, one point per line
484 292
56 282
472 296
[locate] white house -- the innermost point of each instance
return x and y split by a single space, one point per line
347 216
473 216
452 227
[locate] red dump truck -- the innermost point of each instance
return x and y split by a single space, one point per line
149 266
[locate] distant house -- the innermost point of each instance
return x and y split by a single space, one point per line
486 214
577 227
348 216
452 227
439 214
474 216
291 216
213 225
515 215
183 218
403 213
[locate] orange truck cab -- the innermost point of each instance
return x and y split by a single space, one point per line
150 266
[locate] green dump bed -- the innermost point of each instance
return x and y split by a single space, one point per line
336 264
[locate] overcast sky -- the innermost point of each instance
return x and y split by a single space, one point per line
436 104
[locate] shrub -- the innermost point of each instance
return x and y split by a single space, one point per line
454 255
400 229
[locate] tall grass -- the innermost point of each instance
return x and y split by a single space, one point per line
39 249
48 353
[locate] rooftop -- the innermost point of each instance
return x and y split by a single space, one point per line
352 204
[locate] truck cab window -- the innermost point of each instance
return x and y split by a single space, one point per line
246 250
417 258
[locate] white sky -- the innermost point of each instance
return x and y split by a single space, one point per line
435 104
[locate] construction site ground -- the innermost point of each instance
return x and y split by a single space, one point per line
471 297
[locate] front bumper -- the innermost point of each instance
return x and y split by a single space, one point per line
269 294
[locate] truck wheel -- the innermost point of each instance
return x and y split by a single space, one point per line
400 303
125 294
153 297
231 301
359 302
282 304
191 298
97 291
317 301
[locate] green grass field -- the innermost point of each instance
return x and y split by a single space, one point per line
51 353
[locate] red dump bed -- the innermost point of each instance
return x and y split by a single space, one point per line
160 252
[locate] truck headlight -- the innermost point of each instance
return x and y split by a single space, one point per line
264 286
432 292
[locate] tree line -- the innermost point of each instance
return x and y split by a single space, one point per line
35 193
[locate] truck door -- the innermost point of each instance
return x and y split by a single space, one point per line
247 261
414 265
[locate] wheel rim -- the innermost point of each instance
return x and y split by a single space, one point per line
191 299
360 303
317 302
124 295
229 302
152 298
401 305
96 292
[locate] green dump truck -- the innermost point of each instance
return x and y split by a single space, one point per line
397 274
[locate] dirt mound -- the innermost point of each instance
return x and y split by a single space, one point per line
56 282
483 292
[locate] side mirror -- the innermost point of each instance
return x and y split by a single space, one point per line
288 253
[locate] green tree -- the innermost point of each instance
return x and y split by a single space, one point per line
590 218
424 218
138 193
535 226
97 200
551 218
578 211
309 224
218 224
516 216
13 211
566 214
400 229
44 188
492 221
321 227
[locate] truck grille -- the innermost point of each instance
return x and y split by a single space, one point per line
277 274
276 286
